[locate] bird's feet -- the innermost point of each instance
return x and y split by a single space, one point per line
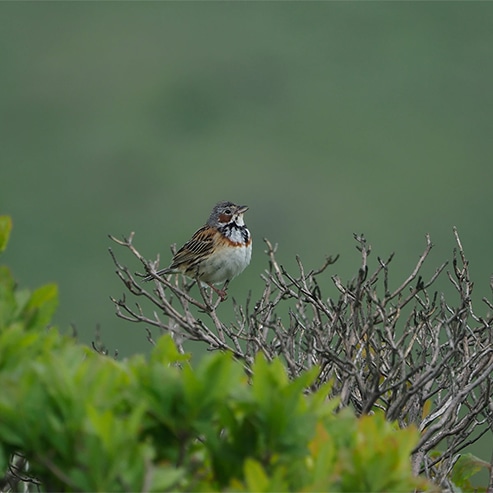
222 293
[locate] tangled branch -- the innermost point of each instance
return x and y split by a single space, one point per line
406 350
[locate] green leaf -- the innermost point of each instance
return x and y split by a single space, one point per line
323 458
215 377
165 351
380 457
41 306
5 228
255 476
8 304
166 478
266 379
464 468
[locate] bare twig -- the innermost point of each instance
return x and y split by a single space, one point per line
403 350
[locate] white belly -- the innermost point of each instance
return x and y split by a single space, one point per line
226 264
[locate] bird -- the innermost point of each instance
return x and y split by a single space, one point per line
217 252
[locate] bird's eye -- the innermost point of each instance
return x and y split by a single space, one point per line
227 211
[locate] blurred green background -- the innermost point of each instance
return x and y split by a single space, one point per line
325 118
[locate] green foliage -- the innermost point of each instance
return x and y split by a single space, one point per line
89 423
28 310
468 465
5 228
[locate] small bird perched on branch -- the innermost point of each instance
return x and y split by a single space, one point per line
217 252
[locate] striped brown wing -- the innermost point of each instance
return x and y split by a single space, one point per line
200 246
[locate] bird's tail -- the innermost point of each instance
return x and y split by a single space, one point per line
161 272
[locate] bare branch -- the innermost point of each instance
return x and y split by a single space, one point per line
403 350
